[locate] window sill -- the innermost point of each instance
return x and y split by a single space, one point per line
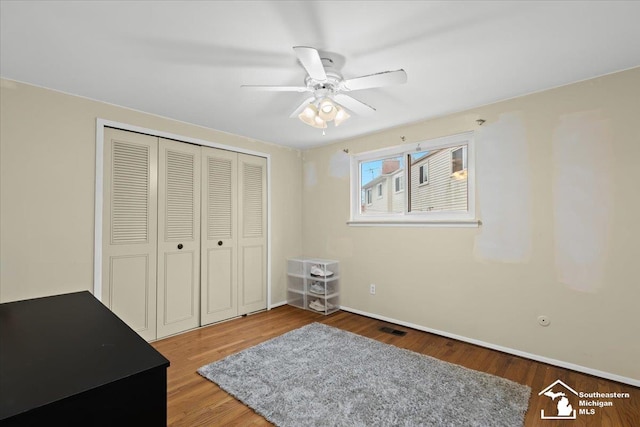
463 223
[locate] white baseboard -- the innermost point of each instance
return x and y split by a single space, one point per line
277 304
560 363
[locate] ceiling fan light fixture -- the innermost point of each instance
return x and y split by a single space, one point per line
319 123
341 115
327 110
309 114
310 111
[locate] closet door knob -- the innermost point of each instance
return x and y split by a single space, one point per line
219 242
180 246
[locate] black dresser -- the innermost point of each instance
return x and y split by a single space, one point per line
68 360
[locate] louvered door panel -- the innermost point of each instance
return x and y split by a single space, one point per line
252 198
130 229
220 186
178 240
219 234
130 192
252 239
181 198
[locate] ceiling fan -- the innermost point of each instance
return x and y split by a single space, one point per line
328 100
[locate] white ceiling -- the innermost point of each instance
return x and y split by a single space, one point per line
187 60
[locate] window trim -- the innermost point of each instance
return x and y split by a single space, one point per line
447 219
379 190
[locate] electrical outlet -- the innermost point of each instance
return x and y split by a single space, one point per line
372 289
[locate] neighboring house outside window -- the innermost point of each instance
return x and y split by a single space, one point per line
444 191
443 164
384 170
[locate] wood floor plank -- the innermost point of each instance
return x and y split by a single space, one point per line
194 401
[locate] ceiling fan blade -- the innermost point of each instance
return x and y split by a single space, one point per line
311 61
277 88
354 105
302 106
386 78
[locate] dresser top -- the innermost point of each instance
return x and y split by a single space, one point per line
55 347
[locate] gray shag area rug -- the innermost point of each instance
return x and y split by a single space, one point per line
322 376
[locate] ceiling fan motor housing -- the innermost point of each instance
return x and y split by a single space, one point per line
330 86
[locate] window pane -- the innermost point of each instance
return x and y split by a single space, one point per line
381 174
441 190
399 182
459 159
424 173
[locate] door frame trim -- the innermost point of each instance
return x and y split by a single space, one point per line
97 248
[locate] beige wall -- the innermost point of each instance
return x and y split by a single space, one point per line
559 200
556 194
47 154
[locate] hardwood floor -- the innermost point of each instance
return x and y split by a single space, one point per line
195 401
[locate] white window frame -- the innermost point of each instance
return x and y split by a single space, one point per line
379 190
439 218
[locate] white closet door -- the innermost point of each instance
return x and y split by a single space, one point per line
178 237
130 229
252 233
218 236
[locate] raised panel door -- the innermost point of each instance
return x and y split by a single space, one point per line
219 289
252 233
130 229
178 237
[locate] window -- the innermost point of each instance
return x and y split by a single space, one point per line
424 174
398 185
458 160
445 164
